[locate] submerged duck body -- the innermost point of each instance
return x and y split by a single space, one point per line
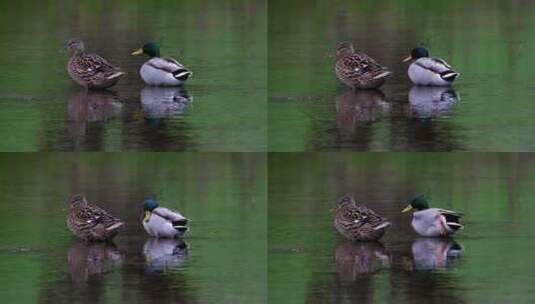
357 222
433 222
90 70
160 222
161 71
91 223
427 71
358 70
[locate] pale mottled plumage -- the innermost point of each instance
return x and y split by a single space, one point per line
91 223
358 70
357 222
90 70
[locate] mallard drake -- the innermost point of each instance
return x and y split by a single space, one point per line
90 70
357 222
161 222
161 71
427 71
432 222
90 223
358 70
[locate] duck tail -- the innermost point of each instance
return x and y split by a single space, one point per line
382 74
182 74
115 226
455 226
115 75
383 225
449 75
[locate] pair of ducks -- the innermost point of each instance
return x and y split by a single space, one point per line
356 222
90 223
94 72
360 71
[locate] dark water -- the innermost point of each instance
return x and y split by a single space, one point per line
223 43
222 258
490 107
488 262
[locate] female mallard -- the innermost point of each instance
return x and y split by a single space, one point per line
161 222
433 222
358 70
426 71
90 70
161 71
357 222
90 223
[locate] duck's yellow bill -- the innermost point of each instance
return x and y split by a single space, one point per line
147 216
408 208
407 59
137 52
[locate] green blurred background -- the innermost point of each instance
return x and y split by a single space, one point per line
309 258
222 42
224 195
489 42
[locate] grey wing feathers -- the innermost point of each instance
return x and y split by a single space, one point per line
438 66
446 211
169 214
166 64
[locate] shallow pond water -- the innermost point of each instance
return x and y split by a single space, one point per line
487 262
223 43
489 108
222 259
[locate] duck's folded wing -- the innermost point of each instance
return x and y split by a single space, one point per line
169 214
451 212
451 217
435 65
166 64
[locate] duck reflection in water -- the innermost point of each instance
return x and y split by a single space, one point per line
430 102
356 260
162 255
356 107
91 260
161 102
92 106
433 253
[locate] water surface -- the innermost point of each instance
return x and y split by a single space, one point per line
489 42
221 259
488 262
223 43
